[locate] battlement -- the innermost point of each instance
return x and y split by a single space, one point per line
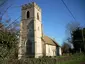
29 5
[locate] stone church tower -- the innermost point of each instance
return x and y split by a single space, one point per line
30 31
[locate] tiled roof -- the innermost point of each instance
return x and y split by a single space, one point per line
49 41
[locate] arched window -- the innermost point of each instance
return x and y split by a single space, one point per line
37 16
28 14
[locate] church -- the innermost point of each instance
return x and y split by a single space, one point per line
33 43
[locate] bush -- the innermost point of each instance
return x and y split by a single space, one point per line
76 58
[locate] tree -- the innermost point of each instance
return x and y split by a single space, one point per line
76 36
65 48
71 26
9 32
78 40
8 43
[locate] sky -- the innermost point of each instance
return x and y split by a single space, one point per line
55 15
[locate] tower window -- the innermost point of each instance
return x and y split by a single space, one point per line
37 16
28 14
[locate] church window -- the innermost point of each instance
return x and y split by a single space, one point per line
37 16
28 14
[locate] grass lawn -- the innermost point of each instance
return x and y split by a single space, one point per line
73 62
74 59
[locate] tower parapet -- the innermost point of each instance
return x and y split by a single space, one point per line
29 5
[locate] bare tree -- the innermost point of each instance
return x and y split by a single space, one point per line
70 27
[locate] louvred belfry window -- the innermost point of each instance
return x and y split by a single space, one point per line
28 14
37 16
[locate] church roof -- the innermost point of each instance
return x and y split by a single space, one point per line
49 41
